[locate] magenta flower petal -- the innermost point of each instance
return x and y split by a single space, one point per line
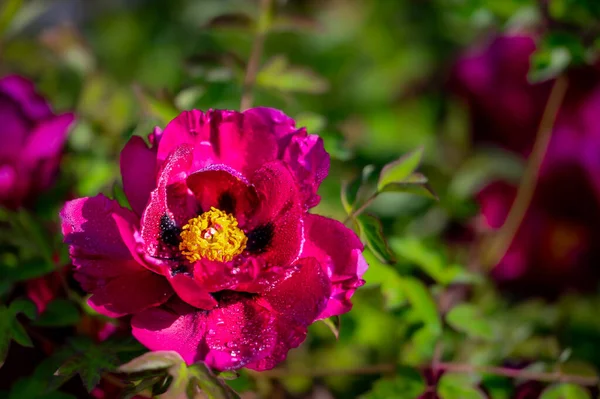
138 168
192 291
132 291
22 91
223 188
309 161
220 137
296 301
175 326
48 137
104 264
339 250
279 215
304 153
32 140
15 127
170 204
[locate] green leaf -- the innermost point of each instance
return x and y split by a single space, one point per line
387 277
458 386
58 313
334 324
89 360
427 259
372 230
422 303
418 188
185 380
565 391
152 361
279 75
7 12
467 318
209 384
407 383
24 306
398 171
11 329
314 123
351 191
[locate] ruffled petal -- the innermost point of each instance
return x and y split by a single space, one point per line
277 229
238 332
14 128
223 188
89 227
278 123
308 160
175 326
191 291
296 302
227 337
171 205
130 292
138 169
48 138
221 137
104 263
23 92
304 154
339 251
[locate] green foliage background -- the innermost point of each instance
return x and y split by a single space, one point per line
369 77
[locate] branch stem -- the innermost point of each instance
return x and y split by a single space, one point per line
256 52
500 242
442 366
362 208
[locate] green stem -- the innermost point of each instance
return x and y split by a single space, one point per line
264 22
362 208
497 246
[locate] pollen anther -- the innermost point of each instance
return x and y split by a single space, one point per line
214 235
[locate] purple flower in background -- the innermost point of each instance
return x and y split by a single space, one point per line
554 246
32 139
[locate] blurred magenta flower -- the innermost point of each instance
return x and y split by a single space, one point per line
32 142
505 107
554 246
219 258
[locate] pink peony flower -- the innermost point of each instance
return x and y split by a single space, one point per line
32 141
219 258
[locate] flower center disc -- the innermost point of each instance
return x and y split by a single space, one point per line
214 235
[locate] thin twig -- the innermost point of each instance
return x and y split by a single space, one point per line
361 209
500 242
448 367
521 374
256 54
364 370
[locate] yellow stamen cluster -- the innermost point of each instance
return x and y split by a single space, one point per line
214 235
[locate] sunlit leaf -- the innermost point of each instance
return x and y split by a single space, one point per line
279 75
467 318
565 391
458 386
387 277
407 383
333 323
398 171
372 231
422 303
